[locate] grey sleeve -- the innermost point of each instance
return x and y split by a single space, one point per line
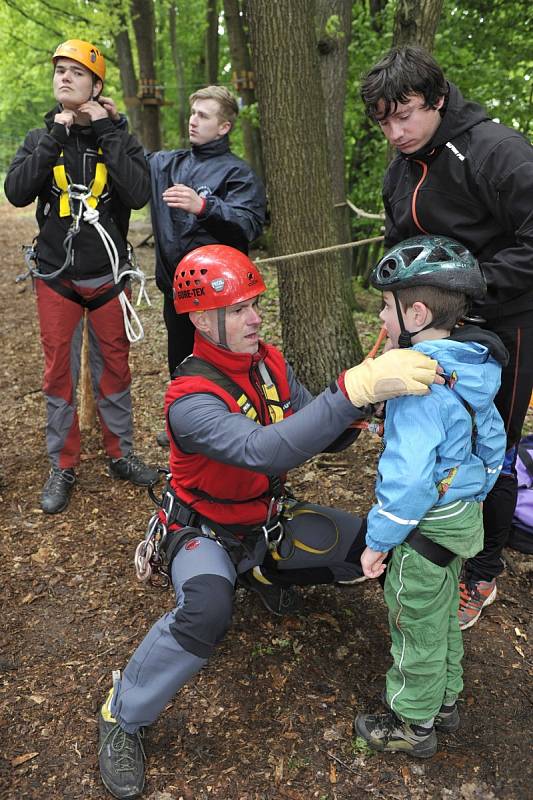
202 423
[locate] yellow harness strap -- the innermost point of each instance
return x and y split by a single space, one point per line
96 187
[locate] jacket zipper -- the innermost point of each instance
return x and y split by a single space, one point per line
415 195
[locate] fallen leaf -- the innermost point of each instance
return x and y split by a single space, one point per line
37 698
332 773
18 760
520 633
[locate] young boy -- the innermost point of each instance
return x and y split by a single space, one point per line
442 454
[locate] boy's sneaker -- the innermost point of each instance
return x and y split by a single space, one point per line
56 492
133 469
389 734
279 600
474 596
120 756
446 721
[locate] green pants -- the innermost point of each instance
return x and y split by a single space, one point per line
423 599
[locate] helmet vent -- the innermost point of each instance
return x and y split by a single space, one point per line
203 272
410 253
388 268
438 254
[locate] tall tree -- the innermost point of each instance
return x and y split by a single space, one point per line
416 22
142 13
318 332
211 42
128 78
177 61
334 19
242 70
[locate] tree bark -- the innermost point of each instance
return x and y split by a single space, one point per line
416 22
211 43
334 18
144 26
318 332
242 68
128 78
183 102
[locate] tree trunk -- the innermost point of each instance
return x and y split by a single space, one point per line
334 18
211 43
183 102
242 70
128 79
144 26
416 22
318 331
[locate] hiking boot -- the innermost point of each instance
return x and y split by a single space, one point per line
57 489
446 721
389 734
474 596
120 756
162 439
279 600
131 468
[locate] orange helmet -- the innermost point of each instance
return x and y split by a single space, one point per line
215 276
84 53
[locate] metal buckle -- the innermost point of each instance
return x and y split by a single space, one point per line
273 544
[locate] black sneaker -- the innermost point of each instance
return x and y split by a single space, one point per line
446 721
279 600
389 734
162 439
56 491
120 756
131 468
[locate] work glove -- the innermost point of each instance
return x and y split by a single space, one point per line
392 374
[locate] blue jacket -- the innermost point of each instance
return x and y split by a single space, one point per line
234 213
428 438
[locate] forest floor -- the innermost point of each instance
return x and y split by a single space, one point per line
270 718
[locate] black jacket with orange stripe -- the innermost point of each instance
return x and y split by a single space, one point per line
474 182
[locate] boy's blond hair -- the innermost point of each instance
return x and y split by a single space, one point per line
227 102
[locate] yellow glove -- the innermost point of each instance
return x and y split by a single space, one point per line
394 373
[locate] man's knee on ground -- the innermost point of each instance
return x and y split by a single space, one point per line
203 619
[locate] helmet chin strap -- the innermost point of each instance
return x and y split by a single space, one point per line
405 339
221 322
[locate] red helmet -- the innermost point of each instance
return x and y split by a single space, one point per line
215 276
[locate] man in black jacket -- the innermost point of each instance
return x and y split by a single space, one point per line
205 195
87 173
460 174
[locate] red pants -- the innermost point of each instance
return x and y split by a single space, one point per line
61 323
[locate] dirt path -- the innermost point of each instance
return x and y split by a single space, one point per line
270 717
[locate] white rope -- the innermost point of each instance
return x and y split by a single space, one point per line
132 323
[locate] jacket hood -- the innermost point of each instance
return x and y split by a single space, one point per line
459 116
474 374
473 333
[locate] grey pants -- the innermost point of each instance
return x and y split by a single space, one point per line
321 545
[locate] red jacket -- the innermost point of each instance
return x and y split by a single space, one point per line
200 481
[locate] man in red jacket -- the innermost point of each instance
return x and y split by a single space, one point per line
238 419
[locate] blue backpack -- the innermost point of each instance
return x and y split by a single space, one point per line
521 537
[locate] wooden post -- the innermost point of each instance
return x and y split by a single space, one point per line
87 413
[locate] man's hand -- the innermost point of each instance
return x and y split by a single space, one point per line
181 196
392 374
66 117
372 562
93 109
110 107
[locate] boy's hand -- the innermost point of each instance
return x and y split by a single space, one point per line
372 562
392 374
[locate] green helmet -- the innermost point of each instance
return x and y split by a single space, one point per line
430 261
